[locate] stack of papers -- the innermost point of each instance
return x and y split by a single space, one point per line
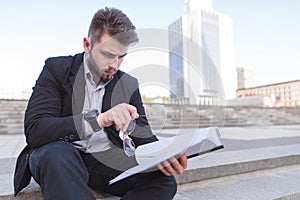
192 144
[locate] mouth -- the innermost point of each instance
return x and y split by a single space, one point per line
109 72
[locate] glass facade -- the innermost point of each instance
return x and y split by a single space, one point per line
176 61
198 56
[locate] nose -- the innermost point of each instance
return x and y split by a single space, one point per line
115 62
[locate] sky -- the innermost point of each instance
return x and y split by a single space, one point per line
266 33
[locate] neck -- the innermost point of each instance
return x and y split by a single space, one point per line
96 79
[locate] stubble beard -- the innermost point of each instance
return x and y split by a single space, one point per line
105 78
100 74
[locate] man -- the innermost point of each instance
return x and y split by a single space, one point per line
79 108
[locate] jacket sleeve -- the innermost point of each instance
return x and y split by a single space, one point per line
143 133
43 121
125 89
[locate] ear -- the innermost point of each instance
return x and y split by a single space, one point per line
86 45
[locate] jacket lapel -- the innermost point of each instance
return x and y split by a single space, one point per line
77 81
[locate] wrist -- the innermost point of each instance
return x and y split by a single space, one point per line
91 117
100 120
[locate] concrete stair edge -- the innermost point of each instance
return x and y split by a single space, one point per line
295 196
189 176
277 184
200 174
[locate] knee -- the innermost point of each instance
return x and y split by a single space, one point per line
54 153
168 187
171 186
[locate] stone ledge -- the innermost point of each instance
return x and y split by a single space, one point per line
214 165
32 191
199 174
295 196
281 183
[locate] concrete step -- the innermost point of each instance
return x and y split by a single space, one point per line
11 121
178 116
210 168
33 191
12 125
8 131
12 113
280 184
11 128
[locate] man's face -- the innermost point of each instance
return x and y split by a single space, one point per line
104 57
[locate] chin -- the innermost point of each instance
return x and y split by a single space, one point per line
106 78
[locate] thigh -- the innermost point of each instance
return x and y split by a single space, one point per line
56 157
105 166
114 160
152 185
60 171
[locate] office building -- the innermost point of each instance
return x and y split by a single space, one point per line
245 77
201 55
284 94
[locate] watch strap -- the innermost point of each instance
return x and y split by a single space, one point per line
94 124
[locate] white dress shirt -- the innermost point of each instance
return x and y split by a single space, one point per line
96 141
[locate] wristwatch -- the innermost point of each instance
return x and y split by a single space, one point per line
91 118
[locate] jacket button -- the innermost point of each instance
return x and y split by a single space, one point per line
66 138
71 137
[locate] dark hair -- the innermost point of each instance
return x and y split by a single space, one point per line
115 23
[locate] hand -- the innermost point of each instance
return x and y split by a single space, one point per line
120 115
173 166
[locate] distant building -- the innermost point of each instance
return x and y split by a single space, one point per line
201 55
245 77
284 94
176 61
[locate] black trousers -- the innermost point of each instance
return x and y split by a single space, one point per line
63 172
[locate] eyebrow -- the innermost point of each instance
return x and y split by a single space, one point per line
119 56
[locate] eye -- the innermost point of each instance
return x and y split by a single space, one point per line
108 55
122 56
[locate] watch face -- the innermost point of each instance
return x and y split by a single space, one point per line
91 114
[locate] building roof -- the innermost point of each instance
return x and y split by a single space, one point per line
268 85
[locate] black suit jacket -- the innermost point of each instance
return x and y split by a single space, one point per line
54 110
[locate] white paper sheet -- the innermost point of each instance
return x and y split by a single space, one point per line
193 143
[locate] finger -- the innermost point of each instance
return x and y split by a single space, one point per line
124 128
162 169
122 114
126 119
176 166
122 117
168 167
105 119
129 113
183 160
132 111
117 120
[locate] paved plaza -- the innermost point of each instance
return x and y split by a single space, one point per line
234 138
